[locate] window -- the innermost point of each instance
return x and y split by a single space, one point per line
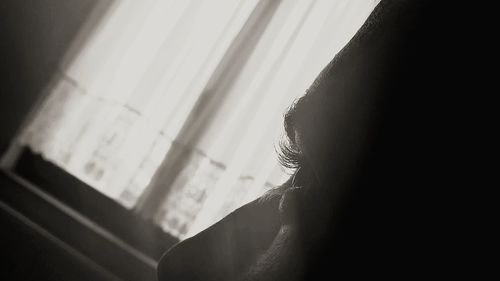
172 108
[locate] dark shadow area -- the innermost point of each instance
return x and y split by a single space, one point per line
34 36
40 241
28 255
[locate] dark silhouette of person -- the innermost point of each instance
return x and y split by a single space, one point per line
365 144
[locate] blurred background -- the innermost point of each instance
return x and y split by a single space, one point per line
131 125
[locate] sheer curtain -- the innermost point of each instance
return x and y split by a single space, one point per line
173 107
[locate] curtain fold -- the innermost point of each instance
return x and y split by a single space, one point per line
173 108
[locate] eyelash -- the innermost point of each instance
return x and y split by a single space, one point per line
292 158
289 156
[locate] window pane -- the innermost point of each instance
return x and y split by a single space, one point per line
190 94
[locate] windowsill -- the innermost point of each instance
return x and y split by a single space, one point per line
81 217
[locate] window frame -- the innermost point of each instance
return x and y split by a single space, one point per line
82 219
86 200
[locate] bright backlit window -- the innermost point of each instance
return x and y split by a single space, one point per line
173 108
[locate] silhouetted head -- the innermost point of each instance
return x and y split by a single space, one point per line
360 119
